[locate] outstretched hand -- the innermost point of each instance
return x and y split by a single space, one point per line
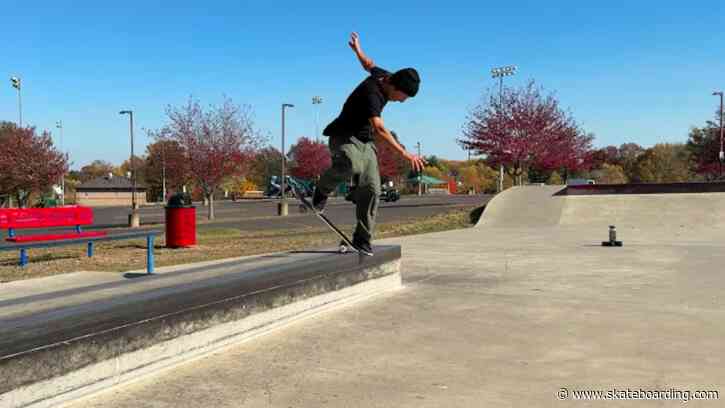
418 163
354 42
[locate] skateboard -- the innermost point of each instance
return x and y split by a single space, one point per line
305 206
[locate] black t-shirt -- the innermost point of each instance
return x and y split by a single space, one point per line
366 101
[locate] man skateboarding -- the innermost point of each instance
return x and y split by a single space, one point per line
352 135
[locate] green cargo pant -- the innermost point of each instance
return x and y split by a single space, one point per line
354 159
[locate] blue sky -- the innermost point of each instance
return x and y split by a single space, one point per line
640 73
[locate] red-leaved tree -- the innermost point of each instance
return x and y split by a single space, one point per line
392 165
29 163
525 128
165 162
704 146
309 159
217 142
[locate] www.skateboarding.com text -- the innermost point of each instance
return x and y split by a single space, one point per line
636 394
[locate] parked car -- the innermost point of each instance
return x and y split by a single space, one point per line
389 193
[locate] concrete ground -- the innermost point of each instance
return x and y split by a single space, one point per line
489 317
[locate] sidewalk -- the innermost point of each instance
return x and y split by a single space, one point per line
489 317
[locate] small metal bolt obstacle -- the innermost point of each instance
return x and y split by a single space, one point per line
612 238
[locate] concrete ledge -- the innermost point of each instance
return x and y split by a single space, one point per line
60 354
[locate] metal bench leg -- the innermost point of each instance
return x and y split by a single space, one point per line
23 257
90 249
150 254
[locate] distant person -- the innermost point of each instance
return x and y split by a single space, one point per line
352 135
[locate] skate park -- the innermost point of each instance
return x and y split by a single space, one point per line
530 200
523 309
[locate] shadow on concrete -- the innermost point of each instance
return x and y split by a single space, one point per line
134 275
476 214
643 188
415 205
319 252
41 258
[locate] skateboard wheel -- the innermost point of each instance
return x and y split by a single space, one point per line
343 249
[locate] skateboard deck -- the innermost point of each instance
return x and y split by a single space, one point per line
346 244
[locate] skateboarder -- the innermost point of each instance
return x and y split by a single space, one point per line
352 135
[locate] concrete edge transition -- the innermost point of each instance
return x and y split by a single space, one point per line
171 327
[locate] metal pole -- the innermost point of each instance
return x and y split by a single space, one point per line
59 125
20 108
133 219
283 182
500 93
150 254
133 168
500 178
420 178
17 84
499 73
722 155
283 203
500 102
316 100
15 81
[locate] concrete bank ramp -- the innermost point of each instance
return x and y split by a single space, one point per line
524 206
538 206
647 211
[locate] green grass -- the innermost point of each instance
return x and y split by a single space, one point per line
212 244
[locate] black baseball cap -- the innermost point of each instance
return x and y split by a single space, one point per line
406 80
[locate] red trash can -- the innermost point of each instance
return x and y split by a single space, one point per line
180 222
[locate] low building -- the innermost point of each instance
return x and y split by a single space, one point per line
109 190
430 185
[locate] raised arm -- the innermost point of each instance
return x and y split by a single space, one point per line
418 163
366 62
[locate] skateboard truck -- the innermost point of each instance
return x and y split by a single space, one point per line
612 238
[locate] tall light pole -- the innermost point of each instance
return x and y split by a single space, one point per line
282 210
722 155
15 81
133 220
59 125
500 73
317 100
420 175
